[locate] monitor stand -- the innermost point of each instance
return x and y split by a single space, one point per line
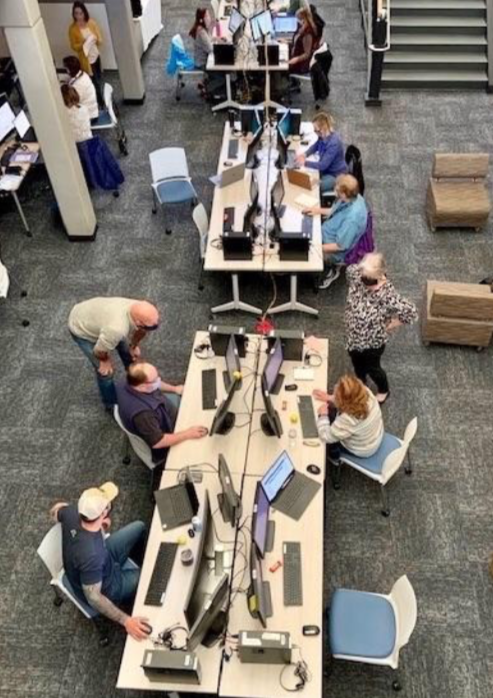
228 424
227 383
224 509
271 533
276 388
216 630
265 426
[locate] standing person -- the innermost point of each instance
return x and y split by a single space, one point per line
95 565
78 114
373 310
305 42
81 82
330 151
101 325
85 39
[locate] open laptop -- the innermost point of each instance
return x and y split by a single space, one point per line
177 505
288 490
230 175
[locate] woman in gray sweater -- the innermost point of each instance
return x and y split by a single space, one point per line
350 417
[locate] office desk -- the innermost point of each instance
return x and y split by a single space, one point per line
131 675
233 445
263 450
13 187
262 680
265 254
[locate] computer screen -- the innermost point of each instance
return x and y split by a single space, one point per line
260 525
212 605
21 124
278 192
261 25
277 475
223 420
258 586
251 120
254 190
236 20
233 365
7 118
285 25
201 566
284 124
229 501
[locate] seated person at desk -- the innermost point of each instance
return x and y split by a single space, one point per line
345 224
81 81
305 42
97 567
350 418
330 150
148 408
201 33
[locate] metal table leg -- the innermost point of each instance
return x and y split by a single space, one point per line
293 303
229 103
236 303
21 213
268 101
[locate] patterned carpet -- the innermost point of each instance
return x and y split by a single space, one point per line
55 440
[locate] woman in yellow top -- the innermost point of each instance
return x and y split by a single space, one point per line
85 39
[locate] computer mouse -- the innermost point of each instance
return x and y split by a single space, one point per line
291 387
313 469
312 630
147 627
227 163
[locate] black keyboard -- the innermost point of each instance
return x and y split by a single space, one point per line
233 149
307 417
209 392
307 225
161 574
292 587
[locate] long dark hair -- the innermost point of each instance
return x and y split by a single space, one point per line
199 21
80 6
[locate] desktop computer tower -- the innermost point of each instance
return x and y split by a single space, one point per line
272 54
224 54
172 666
260 647
237 245
294 247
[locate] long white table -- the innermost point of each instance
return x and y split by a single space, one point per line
265 253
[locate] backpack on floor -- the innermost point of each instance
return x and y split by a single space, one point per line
354 163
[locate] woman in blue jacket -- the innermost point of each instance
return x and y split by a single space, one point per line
330 150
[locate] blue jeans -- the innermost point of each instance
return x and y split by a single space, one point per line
120 545
327 183
105 383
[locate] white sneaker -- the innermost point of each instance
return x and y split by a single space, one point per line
328 279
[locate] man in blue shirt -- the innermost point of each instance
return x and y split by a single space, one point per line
343 227
96 566
330 150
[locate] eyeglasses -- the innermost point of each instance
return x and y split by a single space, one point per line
149 328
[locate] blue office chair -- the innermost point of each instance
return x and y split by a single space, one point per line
384 464
372 628
171 182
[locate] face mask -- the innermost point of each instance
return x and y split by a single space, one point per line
368 281
155 385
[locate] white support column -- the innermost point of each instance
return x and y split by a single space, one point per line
28 45
122 29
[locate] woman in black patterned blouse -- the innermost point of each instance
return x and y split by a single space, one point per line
373 310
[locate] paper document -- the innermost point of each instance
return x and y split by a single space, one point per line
9 182
306 201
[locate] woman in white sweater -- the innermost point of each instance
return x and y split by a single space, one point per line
350 417
77 114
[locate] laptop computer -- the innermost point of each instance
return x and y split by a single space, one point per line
177 505
230 175
288 490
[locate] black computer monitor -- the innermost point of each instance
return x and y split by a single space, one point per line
252 210
233 366
289 122
272 377
229 501
270 421
278 192
251 119
259 600
193 600
256 143
202 630
260 520
261 25
224 420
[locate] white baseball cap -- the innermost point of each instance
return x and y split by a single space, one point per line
94 501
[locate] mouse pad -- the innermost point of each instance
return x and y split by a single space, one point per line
295 498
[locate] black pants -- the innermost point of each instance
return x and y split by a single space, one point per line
367 363
97 79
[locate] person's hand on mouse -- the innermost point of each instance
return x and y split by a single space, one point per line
137 627
197 432
322 396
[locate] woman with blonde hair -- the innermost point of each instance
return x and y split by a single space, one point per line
329 149
305 42
373 310
350 417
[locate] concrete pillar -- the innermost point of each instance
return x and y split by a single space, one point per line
126 51
28 45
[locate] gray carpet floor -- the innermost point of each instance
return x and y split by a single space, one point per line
55 439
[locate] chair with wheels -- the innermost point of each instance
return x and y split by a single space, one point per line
171 182
183 75
50 551
201 221
372 628
384 464
5 280
108 119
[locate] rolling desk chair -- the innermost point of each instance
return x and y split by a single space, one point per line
372 628
108 120
171 182
201 221
384 464
4 288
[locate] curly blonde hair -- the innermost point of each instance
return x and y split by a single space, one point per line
351 397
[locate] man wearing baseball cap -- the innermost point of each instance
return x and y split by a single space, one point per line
95 565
